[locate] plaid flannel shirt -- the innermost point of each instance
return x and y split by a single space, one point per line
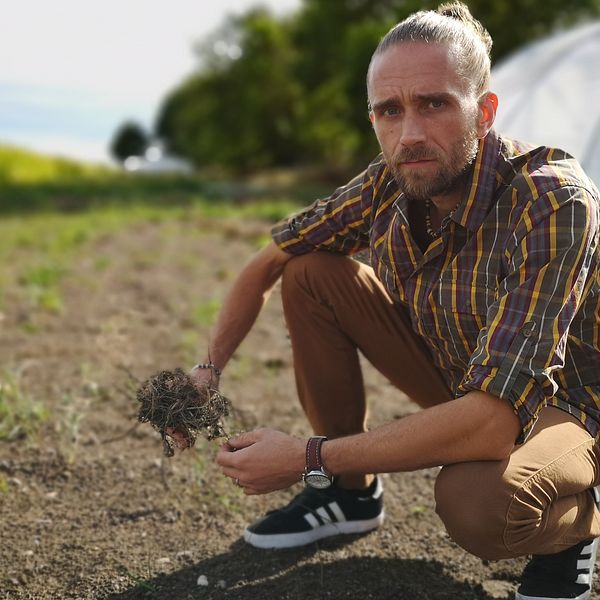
507 299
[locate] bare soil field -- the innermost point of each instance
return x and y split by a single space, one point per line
89 506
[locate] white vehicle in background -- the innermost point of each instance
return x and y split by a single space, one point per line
155 160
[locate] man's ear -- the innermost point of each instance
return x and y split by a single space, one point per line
488 104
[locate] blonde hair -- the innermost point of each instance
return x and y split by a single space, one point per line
453 24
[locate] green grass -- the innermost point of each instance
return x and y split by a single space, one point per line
241 367
67 418
56 232
37 250
204 313
43 276
32 182
18 166
118 189
189 344
49 300
52 209
20 415
202 317
41 286
101 263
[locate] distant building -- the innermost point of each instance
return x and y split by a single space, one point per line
156 160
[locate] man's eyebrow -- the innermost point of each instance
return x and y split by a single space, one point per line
446 96
383 104
426 97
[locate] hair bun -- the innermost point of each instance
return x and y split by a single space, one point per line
455 10
460 11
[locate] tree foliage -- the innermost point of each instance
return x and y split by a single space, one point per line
279 91
215 117
129 140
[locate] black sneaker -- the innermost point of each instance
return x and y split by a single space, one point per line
566 575
315 514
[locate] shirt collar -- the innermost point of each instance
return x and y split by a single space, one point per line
481 185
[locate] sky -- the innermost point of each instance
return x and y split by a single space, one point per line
71 71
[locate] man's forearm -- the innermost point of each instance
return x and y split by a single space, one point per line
477 426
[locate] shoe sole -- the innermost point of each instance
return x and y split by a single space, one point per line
292 540
584 596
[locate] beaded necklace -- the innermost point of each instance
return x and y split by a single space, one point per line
430 232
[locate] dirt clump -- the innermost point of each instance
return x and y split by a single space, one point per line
170 401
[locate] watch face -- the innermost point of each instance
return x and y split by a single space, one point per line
317 480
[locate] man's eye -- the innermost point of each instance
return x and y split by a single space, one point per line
436 104
392 111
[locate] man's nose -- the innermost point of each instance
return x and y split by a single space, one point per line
413 131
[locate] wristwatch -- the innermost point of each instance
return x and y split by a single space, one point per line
315 475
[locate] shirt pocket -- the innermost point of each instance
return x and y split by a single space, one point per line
461 310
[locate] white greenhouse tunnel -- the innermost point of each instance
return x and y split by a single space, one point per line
549 94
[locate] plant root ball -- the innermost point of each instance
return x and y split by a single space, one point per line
170 399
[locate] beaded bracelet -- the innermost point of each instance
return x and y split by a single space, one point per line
208 365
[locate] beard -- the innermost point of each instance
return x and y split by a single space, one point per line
450 172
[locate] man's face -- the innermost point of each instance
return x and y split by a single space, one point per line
424 116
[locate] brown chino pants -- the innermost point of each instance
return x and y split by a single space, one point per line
535 502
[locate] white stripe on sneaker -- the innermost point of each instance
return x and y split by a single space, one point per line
589 548
312 520
325 516
378 489
334 507
583 578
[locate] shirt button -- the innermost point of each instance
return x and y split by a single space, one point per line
528 328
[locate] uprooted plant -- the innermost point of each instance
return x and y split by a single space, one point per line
171 402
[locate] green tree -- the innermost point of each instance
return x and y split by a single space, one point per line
240 110
274 91
130 139
339 38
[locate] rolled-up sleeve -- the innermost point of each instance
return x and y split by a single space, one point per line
339 223
549 256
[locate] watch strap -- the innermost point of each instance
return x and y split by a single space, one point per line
313 453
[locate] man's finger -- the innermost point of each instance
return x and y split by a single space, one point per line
227 457
229 472
243 440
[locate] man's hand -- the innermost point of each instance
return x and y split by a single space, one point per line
178 438
263 460
203 378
